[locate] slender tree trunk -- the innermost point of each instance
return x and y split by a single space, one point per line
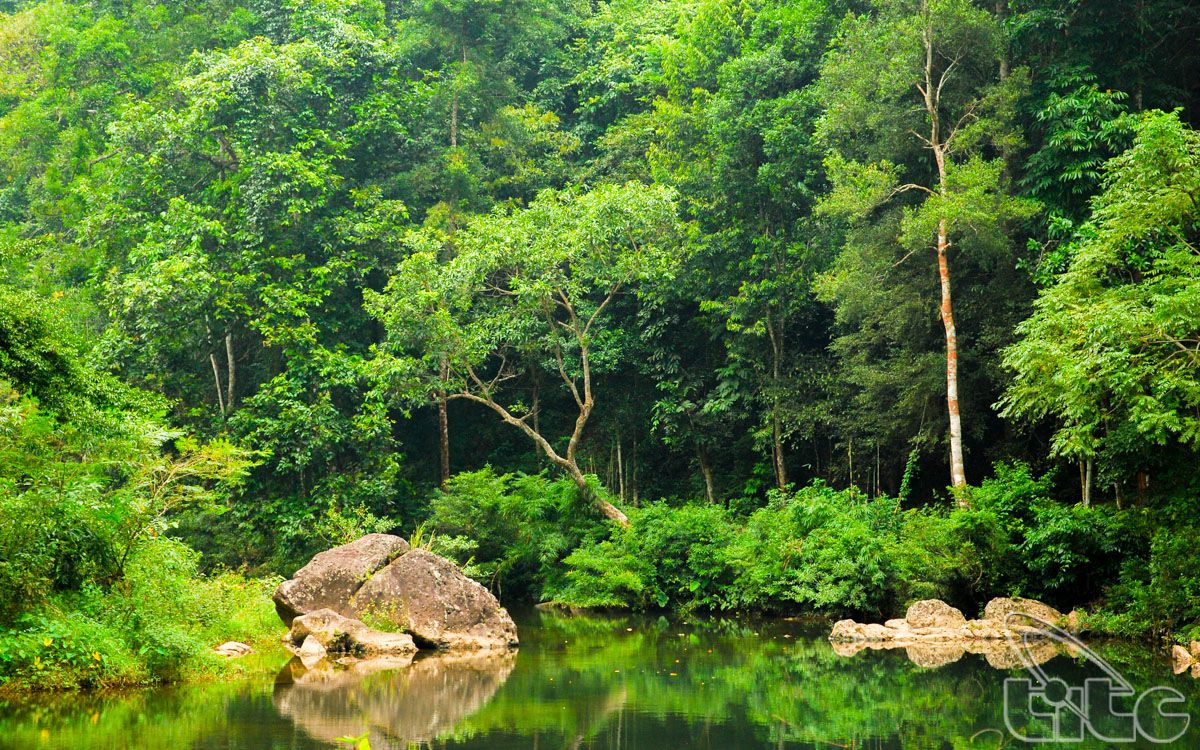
1085 482
706 471
212 357
958 475
620 469
850 460
778 460
230 367
1001 15
876 468
444 427
633 473
932 94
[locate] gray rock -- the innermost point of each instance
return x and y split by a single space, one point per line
331 578
1000 608
934 613
338 634
430 598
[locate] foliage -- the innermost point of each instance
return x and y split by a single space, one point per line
160 624
822 550
1109 353
92 591
511 530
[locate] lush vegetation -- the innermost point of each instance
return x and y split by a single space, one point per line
774 305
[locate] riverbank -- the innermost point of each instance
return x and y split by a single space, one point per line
157 626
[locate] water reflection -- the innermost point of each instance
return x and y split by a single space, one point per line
590 683
397 702
999 654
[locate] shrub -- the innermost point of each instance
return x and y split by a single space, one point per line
1028 544
669 556
818 549
512 530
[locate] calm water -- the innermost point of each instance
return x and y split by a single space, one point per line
597 683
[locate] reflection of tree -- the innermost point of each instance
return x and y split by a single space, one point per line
732 681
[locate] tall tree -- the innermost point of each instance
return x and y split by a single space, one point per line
916 85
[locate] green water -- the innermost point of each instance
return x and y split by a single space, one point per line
585 682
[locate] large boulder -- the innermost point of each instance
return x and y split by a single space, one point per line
934 613
429 597
332 577
1022 610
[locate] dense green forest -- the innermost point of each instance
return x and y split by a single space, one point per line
796 306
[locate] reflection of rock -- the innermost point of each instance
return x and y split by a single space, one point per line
1005 656
933 655
1000 654
379 578
934 634
397 705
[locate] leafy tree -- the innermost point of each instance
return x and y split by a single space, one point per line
528 290
1112 351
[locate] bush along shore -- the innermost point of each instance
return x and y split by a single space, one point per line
836 553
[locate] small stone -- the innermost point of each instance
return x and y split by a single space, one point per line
233 649
311 652
845 631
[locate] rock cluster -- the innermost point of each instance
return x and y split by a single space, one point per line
416 598
932 620
933 633
1183 659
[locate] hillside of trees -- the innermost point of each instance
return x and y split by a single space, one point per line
770 305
